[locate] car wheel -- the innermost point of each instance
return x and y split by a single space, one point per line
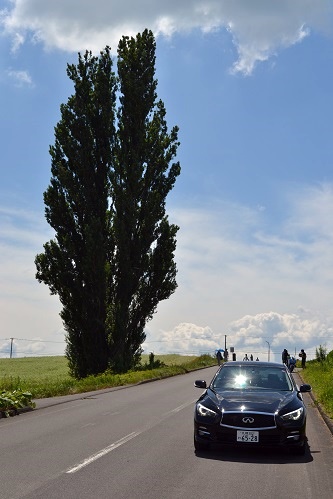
201 446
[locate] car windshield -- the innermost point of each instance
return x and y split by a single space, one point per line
251 378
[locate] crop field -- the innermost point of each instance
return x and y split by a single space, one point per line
50 367
49 376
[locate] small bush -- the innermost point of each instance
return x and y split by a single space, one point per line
321 353
11 402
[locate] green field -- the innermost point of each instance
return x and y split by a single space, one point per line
49 376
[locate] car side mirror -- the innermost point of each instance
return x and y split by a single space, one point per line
305 388
200 383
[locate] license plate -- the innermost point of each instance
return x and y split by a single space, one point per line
247 436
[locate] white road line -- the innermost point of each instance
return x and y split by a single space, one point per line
123 440
181 407
103 452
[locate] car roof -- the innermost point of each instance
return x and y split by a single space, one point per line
253 363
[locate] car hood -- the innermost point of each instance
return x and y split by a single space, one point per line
258 401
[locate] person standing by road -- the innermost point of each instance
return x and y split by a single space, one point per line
285 356
291 364
302 354
219 357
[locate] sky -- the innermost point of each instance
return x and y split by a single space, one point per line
250 86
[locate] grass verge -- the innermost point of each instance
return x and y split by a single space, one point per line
320 376
48 376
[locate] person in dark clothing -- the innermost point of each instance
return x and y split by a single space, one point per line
219 357
302 354
292 364
285 356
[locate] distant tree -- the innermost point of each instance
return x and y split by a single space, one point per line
321 353
112 257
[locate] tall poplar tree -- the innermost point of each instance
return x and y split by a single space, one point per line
142 176
112 257
73 264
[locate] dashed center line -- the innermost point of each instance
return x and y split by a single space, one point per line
103 452
123 440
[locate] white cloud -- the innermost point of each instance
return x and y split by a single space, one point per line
22 348
234 266
238 276
26 307
186 339
251 334
20 77
311 205
304 329
258 28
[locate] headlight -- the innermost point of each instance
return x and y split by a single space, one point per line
293 416
204 411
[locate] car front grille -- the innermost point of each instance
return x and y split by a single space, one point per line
248 420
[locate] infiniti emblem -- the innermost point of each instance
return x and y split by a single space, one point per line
248 420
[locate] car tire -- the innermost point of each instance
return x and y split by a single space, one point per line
201 446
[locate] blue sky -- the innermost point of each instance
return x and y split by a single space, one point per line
250 86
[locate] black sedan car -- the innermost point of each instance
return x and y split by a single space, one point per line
251 404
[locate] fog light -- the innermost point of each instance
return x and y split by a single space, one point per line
202 431
294 435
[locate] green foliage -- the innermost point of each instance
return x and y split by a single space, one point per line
112 258
73 264
152 364
10 383
329 358
11 402
320 376
141 178
321 353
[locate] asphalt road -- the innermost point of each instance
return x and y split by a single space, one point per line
137 442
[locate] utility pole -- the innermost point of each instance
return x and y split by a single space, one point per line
225 342
11 347
269 350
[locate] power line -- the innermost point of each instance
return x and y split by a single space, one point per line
33 341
